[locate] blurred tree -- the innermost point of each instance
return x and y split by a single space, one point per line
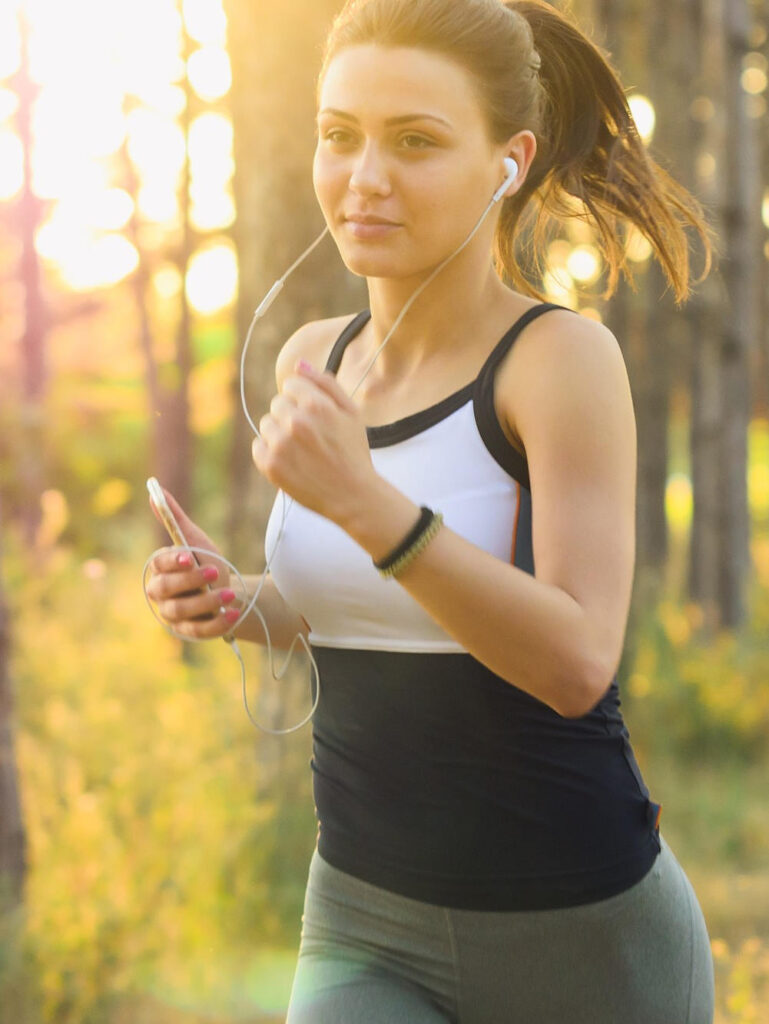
12 836
175 444
275 50
721 410
739 326
29 212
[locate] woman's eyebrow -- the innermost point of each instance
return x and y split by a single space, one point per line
401 119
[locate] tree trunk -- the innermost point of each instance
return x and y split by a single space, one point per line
31 469
720 383
739 326
275 52
12 837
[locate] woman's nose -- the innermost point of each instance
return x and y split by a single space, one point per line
369 174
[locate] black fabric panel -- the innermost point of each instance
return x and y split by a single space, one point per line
401 430
508 457
354 327
523 556
436 779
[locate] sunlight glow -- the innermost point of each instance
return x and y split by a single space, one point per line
167 281
560 287
11 164
110 210
158 202
558 253
753 80
209 73
210 147
584 264
10 41
765 208
644 116
155 144
212 278
106 261
679 502
638 247
211 212
205 21
706 165
85 259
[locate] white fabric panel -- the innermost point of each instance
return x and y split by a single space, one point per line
331 581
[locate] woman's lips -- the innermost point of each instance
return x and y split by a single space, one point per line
367 227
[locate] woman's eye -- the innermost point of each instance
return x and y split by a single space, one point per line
415 141
337 135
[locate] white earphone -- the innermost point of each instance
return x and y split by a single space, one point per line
511 169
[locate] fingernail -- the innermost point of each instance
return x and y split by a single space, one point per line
232 615
304 365
184 558
225 596
210 573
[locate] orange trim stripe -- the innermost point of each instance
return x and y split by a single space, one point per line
515 524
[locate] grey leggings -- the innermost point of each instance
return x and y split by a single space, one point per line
369 956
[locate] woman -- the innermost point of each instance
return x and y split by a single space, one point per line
487 851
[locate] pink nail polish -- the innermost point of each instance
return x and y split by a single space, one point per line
232 615
225 596
210 573
184 558
304 365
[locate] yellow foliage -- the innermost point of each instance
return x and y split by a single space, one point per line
54 518
138 779
210 393
110 497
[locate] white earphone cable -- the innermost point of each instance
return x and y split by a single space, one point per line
252 605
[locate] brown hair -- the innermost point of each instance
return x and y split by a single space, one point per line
536 70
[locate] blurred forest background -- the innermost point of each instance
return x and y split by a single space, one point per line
154 181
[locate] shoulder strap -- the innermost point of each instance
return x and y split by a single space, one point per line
508 338
344 339
508 457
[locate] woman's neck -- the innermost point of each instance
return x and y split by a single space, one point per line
445 317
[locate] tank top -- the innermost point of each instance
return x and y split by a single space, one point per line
432 776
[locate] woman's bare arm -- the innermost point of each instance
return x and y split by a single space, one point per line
283 621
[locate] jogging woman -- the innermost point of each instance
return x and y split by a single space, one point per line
460 550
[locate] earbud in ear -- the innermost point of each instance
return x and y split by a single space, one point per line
511 167
511 170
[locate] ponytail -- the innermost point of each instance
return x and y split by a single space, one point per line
592 163
536 70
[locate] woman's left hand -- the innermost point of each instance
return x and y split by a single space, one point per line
313 446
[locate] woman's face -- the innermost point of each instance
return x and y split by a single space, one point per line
404 165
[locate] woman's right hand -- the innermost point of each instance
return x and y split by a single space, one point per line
179 587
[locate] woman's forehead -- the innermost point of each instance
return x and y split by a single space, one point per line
381 82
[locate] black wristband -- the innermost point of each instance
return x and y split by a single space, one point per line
424 521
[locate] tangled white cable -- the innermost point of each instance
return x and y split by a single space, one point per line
511 171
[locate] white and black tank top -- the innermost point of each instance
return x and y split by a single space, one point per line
433 777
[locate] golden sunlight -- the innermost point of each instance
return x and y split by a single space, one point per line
584 264
208 70
86 140
644 116
212 277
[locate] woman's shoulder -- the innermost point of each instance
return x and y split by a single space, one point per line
313 341
560 355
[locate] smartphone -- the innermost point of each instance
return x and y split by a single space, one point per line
174 532
164 510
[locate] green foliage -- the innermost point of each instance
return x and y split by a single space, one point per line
703 698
